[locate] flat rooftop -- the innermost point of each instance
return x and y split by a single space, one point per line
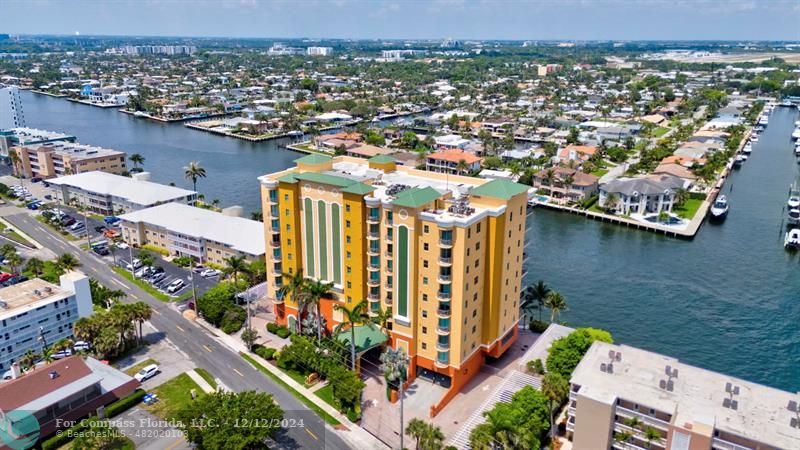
762 412
28 295
241 234
75 150
27 135
136 191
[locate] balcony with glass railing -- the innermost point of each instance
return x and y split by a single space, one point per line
442 359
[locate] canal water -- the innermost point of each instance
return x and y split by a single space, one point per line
729 300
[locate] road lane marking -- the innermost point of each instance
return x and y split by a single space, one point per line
134 296
157 312
208 349
311 434
179 327
174 444
115 281
240 373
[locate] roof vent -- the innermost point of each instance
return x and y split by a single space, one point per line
732 391
53 375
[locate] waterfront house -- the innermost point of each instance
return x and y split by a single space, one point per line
450 141
642 195
579 153
566 183
676 170
447 161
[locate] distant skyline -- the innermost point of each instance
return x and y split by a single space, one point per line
412 19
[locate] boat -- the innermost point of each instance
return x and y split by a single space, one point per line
796 133
294 133
794 197
738 161
720 208
754 138
745 156
792 239
793 216
763 120
797 151
748 148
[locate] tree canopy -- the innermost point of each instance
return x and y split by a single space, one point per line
565 353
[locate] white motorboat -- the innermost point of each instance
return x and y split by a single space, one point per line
792 239
737 162
763 120
797 151
796 133
754 138
745 156
793 216
794 197
720 208
748 148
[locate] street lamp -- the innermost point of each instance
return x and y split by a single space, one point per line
41 338
194 292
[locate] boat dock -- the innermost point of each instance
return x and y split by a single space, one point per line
196 126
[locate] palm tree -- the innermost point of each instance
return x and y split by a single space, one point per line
350 319
427 435
652 435
293 287
235 265
315 291
192 172
556 303
415 429
141 312
27 360
137 160
14 261
63 344
7 250
35 266
461 166
538 293
67 262
681 196
47 354
257 216
147 259
611 201
549 178
556 389
15 160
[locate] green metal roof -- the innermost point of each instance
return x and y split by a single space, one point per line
313 158
324 178
500 188
381 159
366 337
288 178
358 188
416 197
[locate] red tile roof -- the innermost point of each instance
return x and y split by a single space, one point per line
37 383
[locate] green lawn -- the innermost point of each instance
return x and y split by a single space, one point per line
689 209
173 396
599 172
14 236
308 402
206 376
150 289
326 394
660 131
295 375
135 368
58 230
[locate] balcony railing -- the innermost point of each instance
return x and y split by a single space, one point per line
373 219
374 266
388 255
445 260
444 278
374 297
373 282
444 296
388 286
441 363
443 330
276 244
649 420
275 229
722 444
389 238
373 251
443 312
443 242
373 235
442 346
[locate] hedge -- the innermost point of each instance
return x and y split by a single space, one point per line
283 333
114 409
278 330
265 352
537 326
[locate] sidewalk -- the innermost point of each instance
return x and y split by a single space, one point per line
356 436
200 381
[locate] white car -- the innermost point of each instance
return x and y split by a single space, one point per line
143 272
62 354
135 265
122 245
209 273
147 372
175 286
81 346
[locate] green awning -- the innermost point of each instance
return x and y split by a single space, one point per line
366 338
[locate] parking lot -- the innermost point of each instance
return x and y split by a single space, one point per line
171 273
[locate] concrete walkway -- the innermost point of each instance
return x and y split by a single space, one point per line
354 435
200 381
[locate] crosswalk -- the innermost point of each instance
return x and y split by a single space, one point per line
512 384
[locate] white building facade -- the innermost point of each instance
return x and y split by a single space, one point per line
11 114
35 313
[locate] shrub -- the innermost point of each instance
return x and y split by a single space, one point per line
233 319
537 326
272 327
183 261
265 352
535 366
126 403
283 332
565 353
353 416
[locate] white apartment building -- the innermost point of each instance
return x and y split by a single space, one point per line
11 114
319 51
110 194
625 398
35 312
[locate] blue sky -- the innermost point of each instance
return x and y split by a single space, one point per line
478 19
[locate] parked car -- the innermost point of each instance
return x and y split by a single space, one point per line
122 245
4 276
36 179
14 280
157 277
209 273
33 205
147 372
111 220
175 286
143 272
48 197
101 250
99 229
81 346
77 226
67 221
135 264
62 354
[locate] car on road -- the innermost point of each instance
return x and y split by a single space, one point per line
209 273
146 372
101 250
122 245
176 286
137 263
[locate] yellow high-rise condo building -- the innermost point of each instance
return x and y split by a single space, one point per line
442 253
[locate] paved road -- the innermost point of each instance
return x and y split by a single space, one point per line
201 347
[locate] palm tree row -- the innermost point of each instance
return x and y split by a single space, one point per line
29 359
540 296
109 332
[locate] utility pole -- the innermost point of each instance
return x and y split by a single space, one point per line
194 292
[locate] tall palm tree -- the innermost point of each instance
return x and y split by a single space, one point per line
461 166
47 354
35 266
611 201
27 360
293 287
315 291
67 262
681 196
358 315
137 160
194 171
556 303
140 313
537 293
235 265
556 389
14 261
549 178
415 429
